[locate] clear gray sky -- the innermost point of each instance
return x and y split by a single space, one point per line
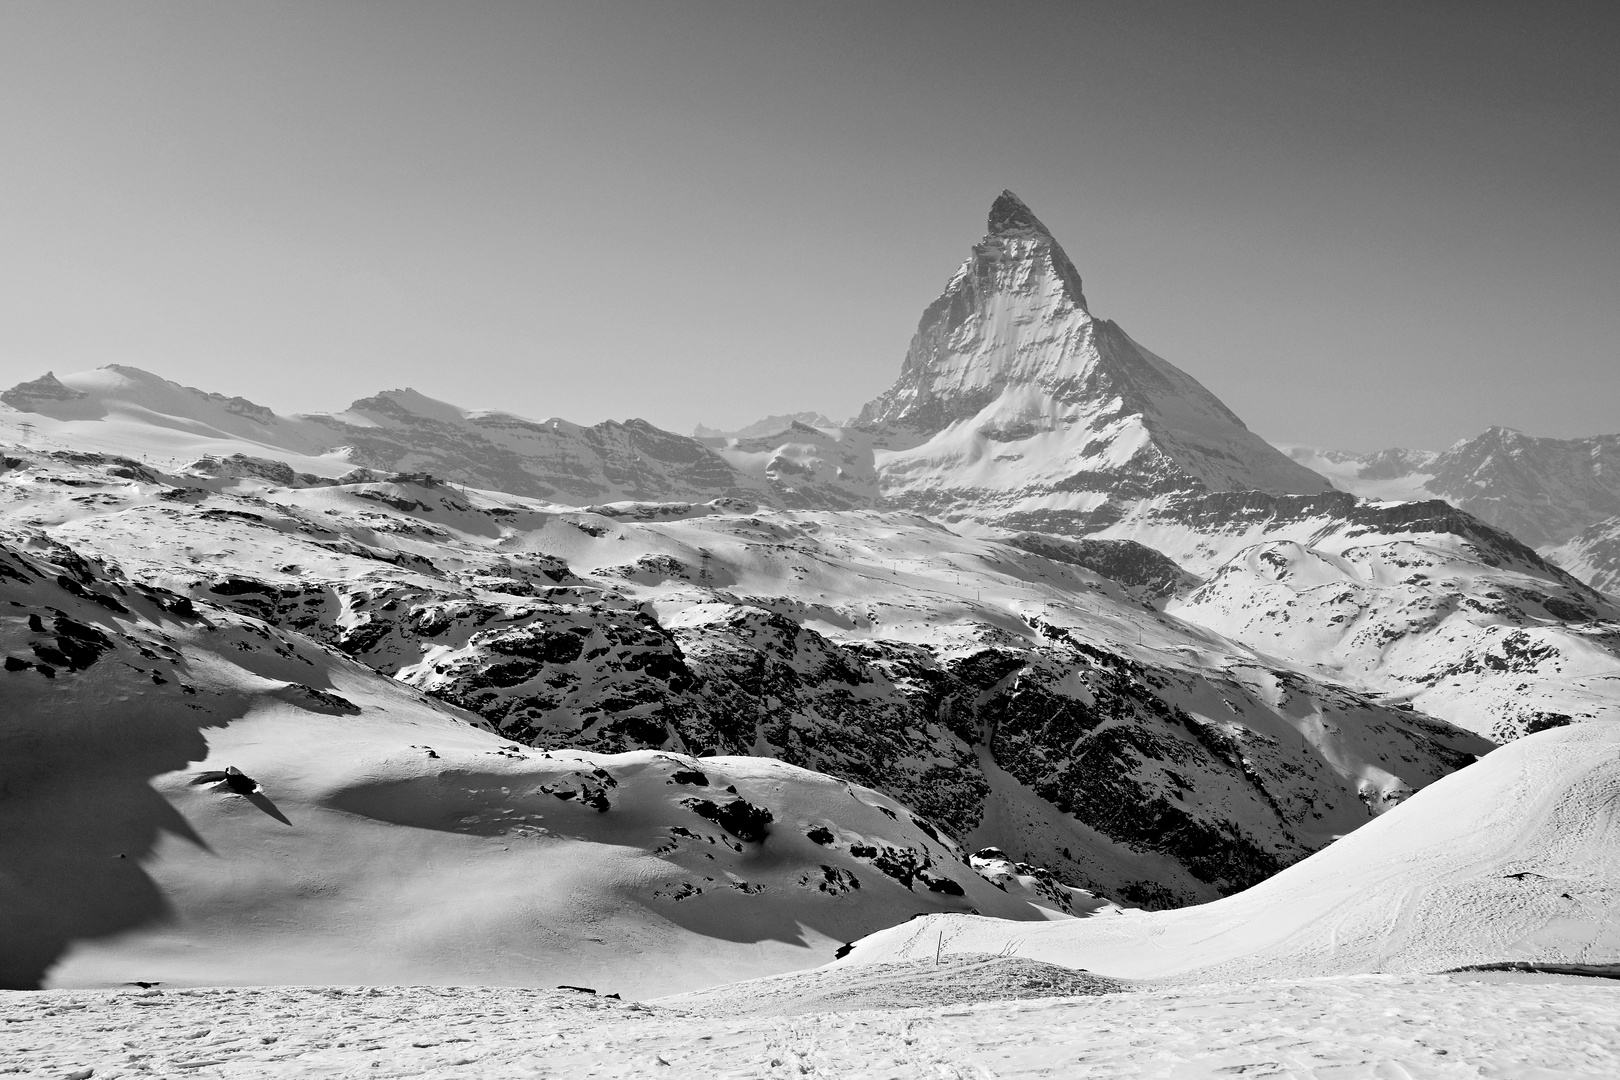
1360 224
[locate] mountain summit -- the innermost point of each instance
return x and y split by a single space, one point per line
1009 213
1013 394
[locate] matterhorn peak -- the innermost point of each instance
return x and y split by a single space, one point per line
1013 392
1009 213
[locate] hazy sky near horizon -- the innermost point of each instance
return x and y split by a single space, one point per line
1360 224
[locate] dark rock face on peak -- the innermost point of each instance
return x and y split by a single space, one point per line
1009 213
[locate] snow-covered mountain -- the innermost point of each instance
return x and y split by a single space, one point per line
1015 400
1010 692
1543 491
129 411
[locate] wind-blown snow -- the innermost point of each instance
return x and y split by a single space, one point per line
1432 1027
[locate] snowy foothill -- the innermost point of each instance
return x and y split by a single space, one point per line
369 834
1515 858
1018 692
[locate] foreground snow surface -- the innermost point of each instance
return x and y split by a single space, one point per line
1346 1028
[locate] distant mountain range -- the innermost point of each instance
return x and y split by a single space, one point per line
1543 491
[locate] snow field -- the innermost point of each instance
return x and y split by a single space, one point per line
1413 1027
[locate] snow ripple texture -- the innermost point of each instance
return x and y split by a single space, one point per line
1362 1028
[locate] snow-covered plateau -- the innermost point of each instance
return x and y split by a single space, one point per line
1041 719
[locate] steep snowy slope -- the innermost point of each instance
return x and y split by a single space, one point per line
1013 694
1416 601
1514 858
128 411
1543 491
1593 555
370 834
1013 396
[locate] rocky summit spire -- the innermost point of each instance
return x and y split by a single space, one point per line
1009 213
1014 400
1014 231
